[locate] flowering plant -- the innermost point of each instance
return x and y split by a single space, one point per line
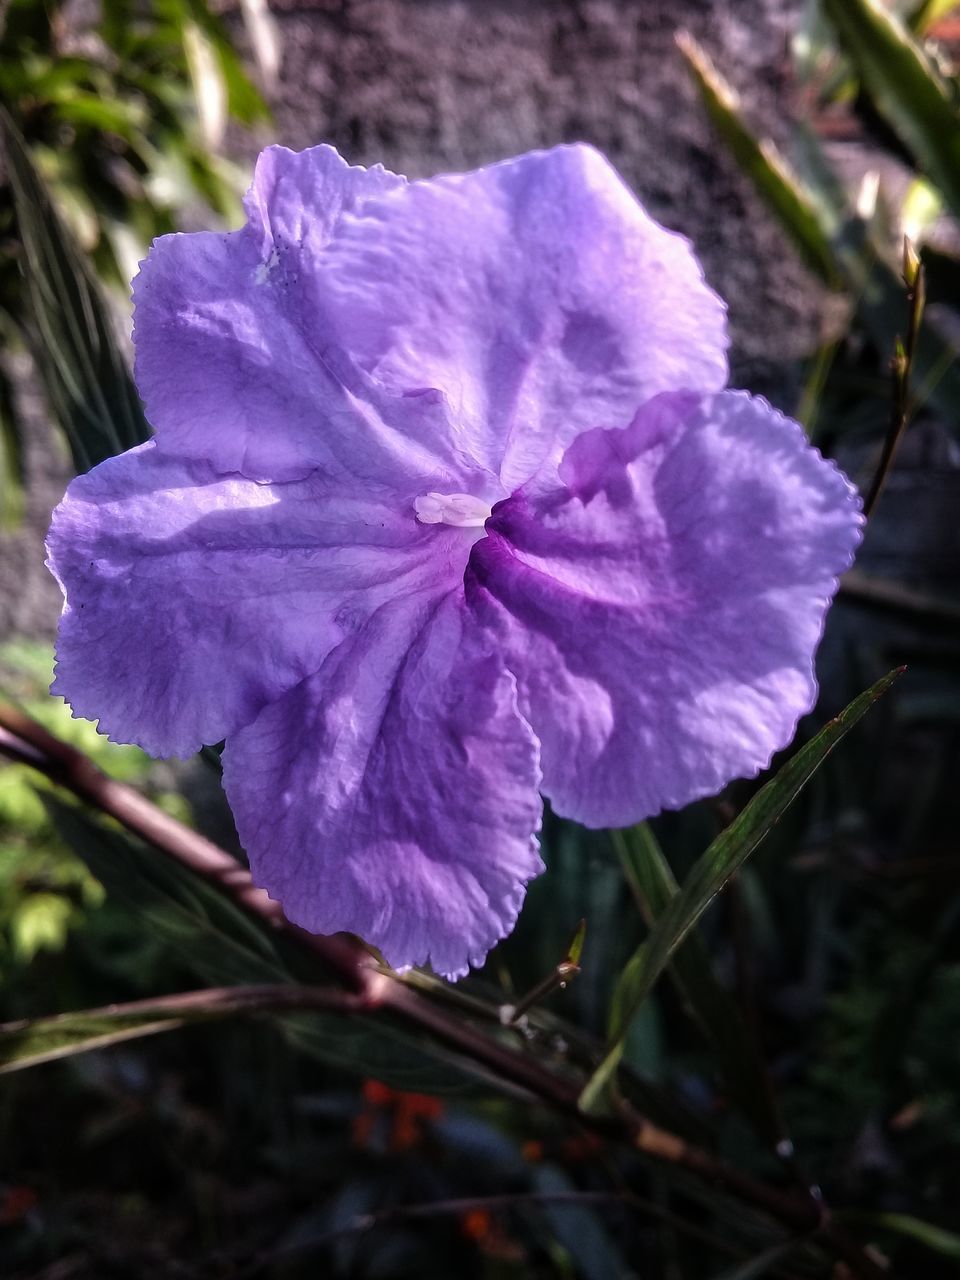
447 507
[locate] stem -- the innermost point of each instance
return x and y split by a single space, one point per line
558 978
506 1202
901 367
24 740
900 597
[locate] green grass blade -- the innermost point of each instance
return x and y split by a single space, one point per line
722 860
713 1007
761 1265
877 288
782 191
30 1042
11 459
220 942
70 330
937 1239
905 87
812 210
221 945
929 13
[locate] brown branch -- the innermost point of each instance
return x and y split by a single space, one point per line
22 739
804 1213
886 593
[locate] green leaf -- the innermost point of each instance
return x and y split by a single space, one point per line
938 1239
711 1005
578 1229
930 12
905 87
70 333
220 943
722 860
209 89
813 210
244 101
575 949
92 112
11 459
761 1264
217 940
763 164
40 923
30 1042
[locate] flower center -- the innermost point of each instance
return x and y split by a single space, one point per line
460 509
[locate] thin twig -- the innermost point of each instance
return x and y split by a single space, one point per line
901 369
889 594
564 972
799 1212
503 1202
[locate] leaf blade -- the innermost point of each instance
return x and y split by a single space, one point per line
712 1006
937 1239
712 871
761 1264
31 1042
71 332
813 211
761 162
905 87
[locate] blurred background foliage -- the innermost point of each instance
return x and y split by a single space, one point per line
124 115
810 1027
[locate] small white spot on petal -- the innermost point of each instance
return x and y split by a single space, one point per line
262 273
460 509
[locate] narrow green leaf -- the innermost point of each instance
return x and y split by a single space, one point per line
711 1005
813 210
219 943
209 89
905 86
70 334
761 1264
30 1042
11 459
244 101
722 860
575 949
764 165
937 1239
930 12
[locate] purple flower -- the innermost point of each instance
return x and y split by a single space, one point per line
447 507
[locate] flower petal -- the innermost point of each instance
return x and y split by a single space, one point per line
536 294
229 358
193 599
297 197
394 794
661 611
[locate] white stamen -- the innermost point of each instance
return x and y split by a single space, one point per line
460 509
262 273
